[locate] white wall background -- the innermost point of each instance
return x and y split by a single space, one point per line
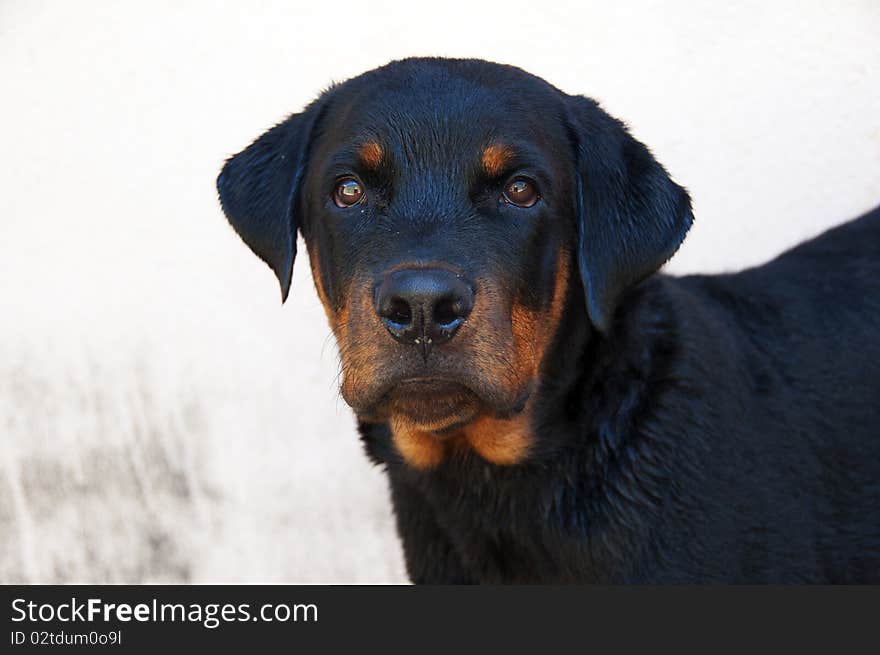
162 416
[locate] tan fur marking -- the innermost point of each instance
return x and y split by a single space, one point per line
371 154
506 441
359 351
533 331
502 442
496 157
420 449
319 287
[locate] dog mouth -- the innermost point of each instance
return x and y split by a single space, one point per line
437 398
435 405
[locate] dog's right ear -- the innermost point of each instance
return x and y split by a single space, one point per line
258 191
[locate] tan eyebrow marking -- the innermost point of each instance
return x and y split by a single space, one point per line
371 154
495 157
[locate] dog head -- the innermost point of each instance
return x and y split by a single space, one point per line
454 211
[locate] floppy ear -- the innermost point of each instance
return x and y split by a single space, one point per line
258 191
631 216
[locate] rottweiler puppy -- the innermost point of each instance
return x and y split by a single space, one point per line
548 409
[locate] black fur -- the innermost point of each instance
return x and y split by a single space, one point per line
696 429
258 192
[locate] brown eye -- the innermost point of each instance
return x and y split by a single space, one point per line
521 192
348 192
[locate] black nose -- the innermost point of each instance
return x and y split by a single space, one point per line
423 306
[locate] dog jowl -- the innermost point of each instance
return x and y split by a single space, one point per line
463 221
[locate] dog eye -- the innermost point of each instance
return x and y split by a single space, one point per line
521 192
348 192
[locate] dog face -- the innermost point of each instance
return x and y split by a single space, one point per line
454 211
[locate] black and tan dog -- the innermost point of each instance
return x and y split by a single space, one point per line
547 409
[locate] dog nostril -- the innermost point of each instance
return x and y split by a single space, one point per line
399 312
447 311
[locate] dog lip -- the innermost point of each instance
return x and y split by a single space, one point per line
374 406
428 387
438 402
423 383
427 381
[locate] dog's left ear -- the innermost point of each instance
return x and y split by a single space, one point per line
631 216
258 191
